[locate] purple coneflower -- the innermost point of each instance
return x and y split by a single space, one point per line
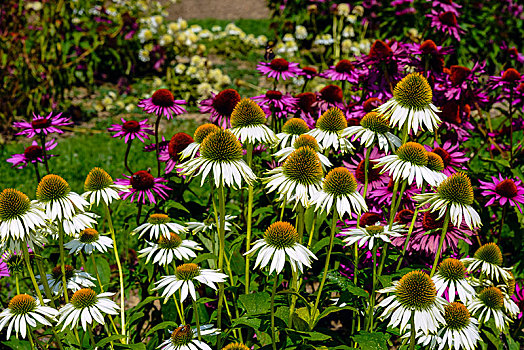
42 125
431 56
359 110
375 178
129 130
279 68
452 157
518 298
329 96
343 70
510 78
32 154
171 155
446 5
162 146
141 186
306 108
221 106
163 103
454 117
446 22
504 191
308 72
382 196
4 270
276 102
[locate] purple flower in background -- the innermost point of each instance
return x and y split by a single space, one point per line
279 68
329 96
276 102
308 72
129 130
518 298
359 110
458 82
446 5
357 167
171 154
142 186
508 80
429 56
32 154
382 196
503 190
43 125
221 106
306 107
4 270
163 103
162 145
446 22
452 157
343 70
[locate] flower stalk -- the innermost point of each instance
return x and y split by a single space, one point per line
249 215
441 242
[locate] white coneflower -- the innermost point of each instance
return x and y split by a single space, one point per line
248 123
451 276
411 105
79 222
302 141
221 158
19 217
23 312
372 233
185 277
86 306
280 243
159 225
55 196
489 304
340 189
456 195
169 248
410 163
414 294
186 338
99 186
75 279
488 259
209 225
328 131
88 241
200 134
300 177
291 130
374 126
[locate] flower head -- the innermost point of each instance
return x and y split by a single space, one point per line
131 129
451 276
279 68
163 103
142 186
489 304
199 136
372 233
185 338
503 190
303 140
291 130
460 330
488 259
221 106
344 70
329 130
75 279
281 242
54 195
158 225
168 248
172 155
33 154
88 241
248 123
43 125
277 103
446 22
99 185
374 126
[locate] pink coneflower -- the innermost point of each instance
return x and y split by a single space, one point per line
427 232
504 191
32 154
276 102
221 106
279 68
508 78
129 130
375 178
451 156
308 72
446 22
343 70
306 107
4 270
141 186
42 125
162 146
382 196
163 103
361 109
430 56
518 298
171 155
446 5
330 96
454 117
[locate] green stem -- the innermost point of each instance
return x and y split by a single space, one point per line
393 201
120 273
195 311
96 273
17 284
126 156
249 216
273 330
441 243
294 279
157 146
366 171
413 332
91 337
283 209
410 231
373 289
326 265
30 337
312 232
221 251
62 259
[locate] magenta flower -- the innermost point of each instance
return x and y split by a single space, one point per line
383 196
130 130
308 72
141 186
4 270
375 178
429 56
343 70
32 154
221 106
446 22
306 107
279 68
171 154
359 110
163 103
329 96
42 125
509 78
446 5
518 298
451 156
276 102
162 145
504 191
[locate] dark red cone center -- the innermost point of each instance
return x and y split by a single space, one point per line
40 123
507 188
131 126
344 66
279 64
142 180
33 152
225 101
163 98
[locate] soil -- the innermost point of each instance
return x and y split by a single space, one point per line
219 9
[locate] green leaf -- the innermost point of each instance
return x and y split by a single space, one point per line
203 257
145 302
138 346
245 321
162 325
17 344
347 285
324 242
372 341
177 205
105 341
135 316
256 303
331 309
103 269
